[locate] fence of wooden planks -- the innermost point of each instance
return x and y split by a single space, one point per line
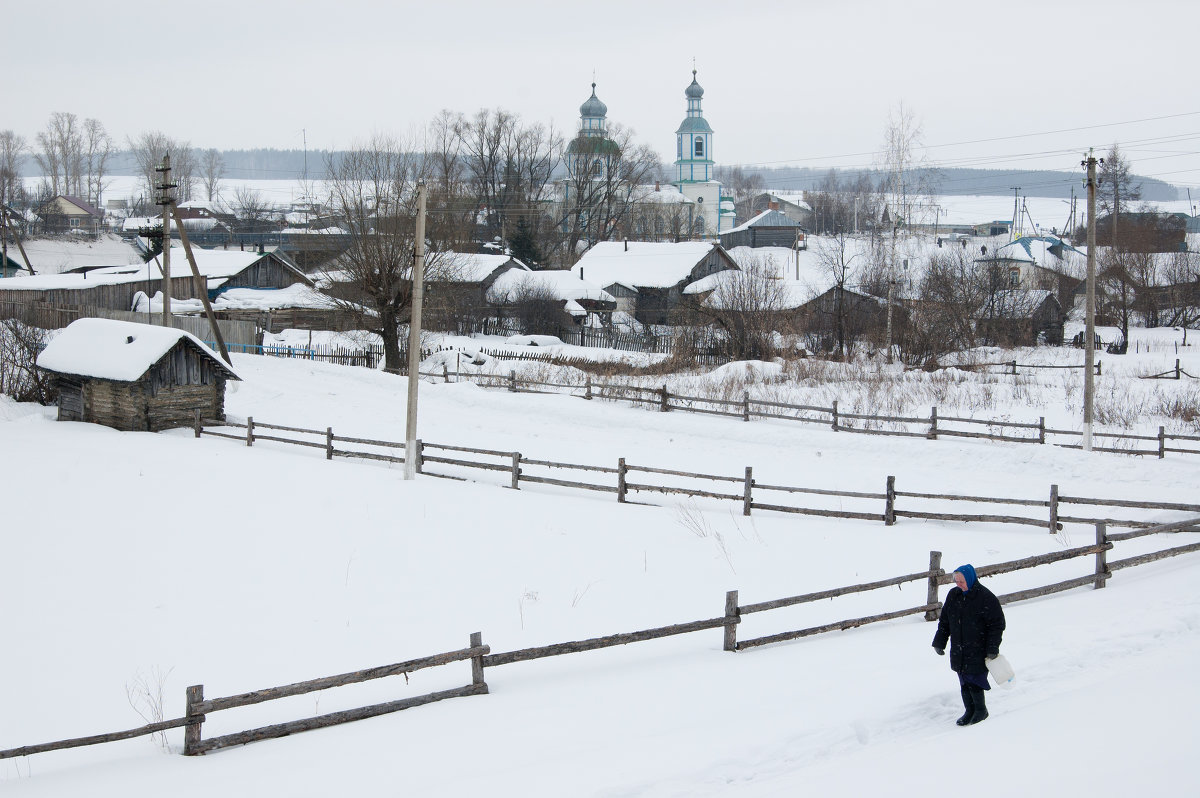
929 427
624 478
480 656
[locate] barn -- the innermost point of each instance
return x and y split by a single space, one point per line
134 377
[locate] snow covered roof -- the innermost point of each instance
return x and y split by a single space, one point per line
1039 250
768 218
775 293
60 254
559 283
641 264
660 194
215 264
458 267
115 350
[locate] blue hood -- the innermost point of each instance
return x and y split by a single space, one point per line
968 572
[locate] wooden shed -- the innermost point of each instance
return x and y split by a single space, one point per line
134 377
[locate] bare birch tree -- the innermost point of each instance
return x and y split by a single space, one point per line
212 169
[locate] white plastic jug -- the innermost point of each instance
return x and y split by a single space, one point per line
1001 672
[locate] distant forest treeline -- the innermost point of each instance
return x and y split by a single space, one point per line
267 164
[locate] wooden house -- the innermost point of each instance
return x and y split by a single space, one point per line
647 280
134 377
64 214
1022 318
768 229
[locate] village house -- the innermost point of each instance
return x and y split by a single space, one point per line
64 214
134 377
646 280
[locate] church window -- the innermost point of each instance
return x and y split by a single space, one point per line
597 167
699 146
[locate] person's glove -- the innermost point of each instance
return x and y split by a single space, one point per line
941 651
992 655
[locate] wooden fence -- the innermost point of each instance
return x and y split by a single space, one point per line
929 427
886 505
197 708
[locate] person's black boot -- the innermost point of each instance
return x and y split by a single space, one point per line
969 705
981 712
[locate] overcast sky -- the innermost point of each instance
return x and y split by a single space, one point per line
997 85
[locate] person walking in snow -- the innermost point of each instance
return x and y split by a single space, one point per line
973 623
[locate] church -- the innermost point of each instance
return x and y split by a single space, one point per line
692 206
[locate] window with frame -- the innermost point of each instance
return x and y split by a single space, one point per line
699 146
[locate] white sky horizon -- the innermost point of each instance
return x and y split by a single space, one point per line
785 84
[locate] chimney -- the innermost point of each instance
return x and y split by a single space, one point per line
773 205
627 245
657 186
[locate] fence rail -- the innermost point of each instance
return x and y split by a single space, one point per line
481 657
747 408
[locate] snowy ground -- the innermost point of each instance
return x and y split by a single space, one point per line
130 555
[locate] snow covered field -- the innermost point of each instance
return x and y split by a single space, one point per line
131 556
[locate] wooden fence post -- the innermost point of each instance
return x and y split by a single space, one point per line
1176 368
1099 372
1162 442
932 424
1041 429
745 406
420 450
931 596
512 381
477 662
1014 367
889 512
197 423
1054 525
1102 573
665 399
329 443
516 470
445 373
249 430
192 733
747 502
835 415
731 620
588 393
621 484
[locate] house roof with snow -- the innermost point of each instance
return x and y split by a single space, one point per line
726 289
1015 303
459 267
641 264
122 351
560 284
768 218
1045 251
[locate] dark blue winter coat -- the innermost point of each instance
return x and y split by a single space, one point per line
973 622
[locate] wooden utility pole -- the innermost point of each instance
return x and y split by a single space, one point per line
165 200
16 237
414 338
1089 348
201 287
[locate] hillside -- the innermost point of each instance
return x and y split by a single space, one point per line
133 556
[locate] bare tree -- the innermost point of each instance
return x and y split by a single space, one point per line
148 150
602 185
12 150
1117 185
212 169
908 175
60 153
747 308
97 149
373 189
838 260
536 308
254 213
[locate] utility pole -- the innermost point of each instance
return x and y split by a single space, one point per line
414 338
165 201
891 290
1089 350
1016 212
201 284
